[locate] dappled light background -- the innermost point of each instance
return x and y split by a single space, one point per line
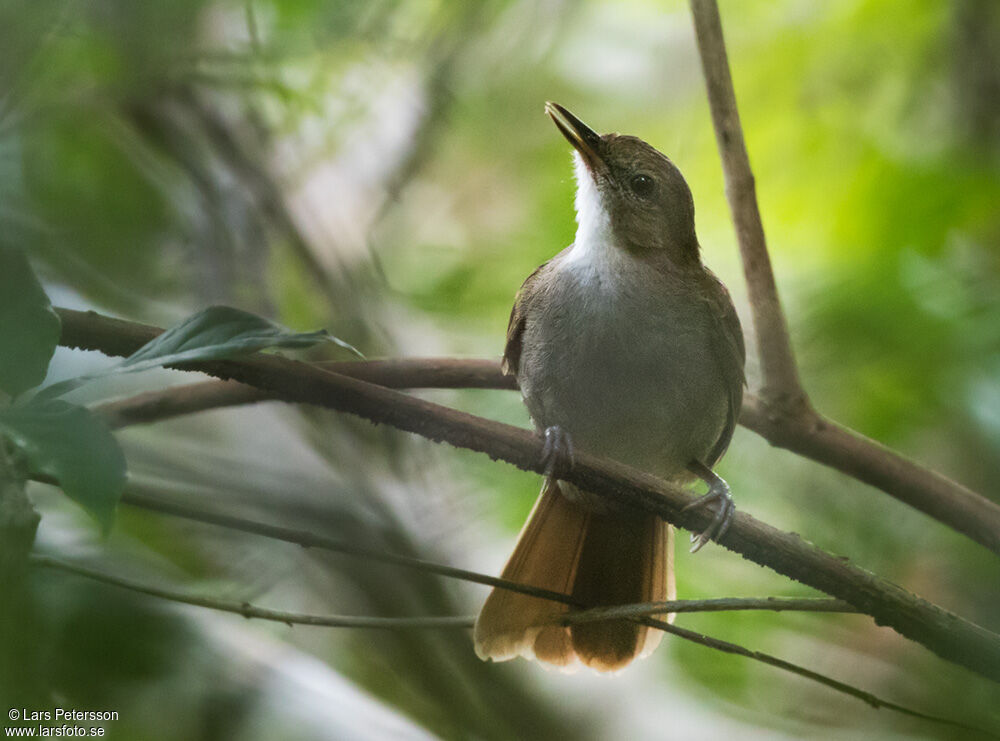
384 170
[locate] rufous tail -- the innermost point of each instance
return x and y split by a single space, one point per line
598 559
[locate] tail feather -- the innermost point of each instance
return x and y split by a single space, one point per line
513 624
662 586
598 559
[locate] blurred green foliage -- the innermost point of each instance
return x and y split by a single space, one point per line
383 169
28 325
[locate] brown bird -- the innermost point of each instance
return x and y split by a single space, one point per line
624 345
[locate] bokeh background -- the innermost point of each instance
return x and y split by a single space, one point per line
383 169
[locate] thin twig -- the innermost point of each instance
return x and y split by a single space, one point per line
461 622
867 697
723 604
250 611
948 635
137 497
811 436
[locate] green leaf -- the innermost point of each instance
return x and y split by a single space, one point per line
29 328
215 333
72 445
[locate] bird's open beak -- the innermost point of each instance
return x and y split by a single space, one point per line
584 139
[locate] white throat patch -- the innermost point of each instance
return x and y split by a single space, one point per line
594 248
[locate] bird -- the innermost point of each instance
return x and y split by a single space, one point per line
624 345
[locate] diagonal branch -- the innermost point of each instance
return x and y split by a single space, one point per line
841 448
817 438
136 496
948 635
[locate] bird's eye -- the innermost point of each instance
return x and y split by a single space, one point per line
642 185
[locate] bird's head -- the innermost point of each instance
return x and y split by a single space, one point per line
630 191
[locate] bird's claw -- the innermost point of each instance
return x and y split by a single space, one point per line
557 454
719 492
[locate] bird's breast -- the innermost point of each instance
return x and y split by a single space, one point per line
622 360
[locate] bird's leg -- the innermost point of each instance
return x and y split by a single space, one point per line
718 491
557 455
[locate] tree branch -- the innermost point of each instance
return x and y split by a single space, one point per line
782 413
781 385
723 604
449 622
737 650
948 635
250 611
137 497
814 437
156 406
847 451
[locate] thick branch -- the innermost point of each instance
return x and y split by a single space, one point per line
843 449
946 634
781 384
809 435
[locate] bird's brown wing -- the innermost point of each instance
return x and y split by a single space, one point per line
730 354
511 362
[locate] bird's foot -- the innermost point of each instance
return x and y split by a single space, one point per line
557 455
718 491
